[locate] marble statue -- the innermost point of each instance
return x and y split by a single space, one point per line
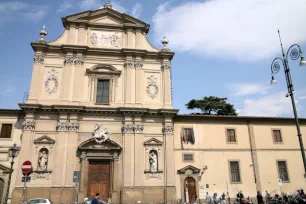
43 161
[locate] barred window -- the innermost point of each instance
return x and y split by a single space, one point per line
231 135
277 137
103 91
6 131
188 157
282 170
235 172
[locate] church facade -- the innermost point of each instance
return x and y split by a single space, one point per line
100 104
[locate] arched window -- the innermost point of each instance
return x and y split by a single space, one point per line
153 160
1 188
43 157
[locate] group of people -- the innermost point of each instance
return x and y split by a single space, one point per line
260 199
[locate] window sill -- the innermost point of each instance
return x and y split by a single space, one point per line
278 142
105 104
150 172
236 182
231 143
6 139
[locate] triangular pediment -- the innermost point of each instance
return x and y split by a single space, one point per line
91 144
4 169
189 167
153 141
103 69
103 16
44 140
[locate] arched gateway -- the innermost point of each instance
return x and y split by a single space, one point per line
98 166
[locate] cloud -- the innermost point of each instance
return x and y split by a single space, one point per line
271 105
6 90
243 89
137 10
17 10
118 7
235 30
90 4
302 98
65 6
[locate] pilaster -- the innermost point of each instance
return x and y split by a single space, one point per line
138 80
37 76
78 77
131 38
166 69
67 78
129 80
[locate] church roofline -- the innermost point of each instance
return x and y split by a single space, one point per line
105 51
73 19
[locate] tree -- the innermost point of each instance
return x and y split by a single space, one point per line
212 105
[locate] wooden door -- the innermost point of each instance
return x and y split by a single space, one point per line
99 179
190 185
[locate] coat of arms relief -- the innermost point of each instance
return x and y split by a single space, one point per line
101 134
106 39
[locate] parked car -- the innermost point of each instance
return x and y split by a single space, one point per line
39 201
100 201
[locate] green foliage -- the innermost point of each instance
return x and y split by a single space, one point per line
212 105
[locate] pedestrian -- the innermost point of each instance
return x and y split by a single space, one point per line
259 198
96 199
215 198
208 198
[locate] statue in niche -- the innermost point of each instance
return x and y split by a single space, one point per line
153 160
43 160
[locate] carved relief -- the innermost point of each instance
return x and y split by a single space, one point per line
38 58
79 60
106 39
152 88
63 127
28 125
166 66
168 129
132 128
52 83
129 63
69 60
101 134
138 65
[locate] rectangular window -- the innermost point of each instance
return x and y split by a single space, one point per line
277 137
188 157
188 136
103 91
231 135
6 131
282 170
235 172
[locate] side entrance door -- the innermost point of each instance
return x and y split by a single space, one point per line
190 190
99 179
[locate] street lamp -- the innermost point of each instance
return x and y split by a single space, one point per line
13 153
295 52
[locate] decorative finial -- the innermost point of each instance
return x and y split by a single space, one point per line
165 43
108 5
43 34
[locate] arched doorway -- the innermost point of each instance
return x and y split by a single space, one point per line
1 189
190 190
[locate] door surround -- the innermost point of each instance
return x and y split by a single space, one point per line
90 150
189 171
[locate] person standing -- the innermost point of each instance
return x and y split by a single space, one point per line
240 196
96 199
208 198
259 198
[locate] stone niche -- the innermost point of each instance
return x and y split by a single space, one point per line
153 158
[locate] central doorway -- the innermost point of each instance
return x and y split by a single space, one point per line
190 187
99 179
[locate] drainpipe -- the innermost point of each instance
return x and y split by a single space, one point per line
251 148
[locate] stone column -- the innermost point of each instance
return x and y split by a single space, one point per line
166 67
78 77
37 76
138 80
128 151
138 150
129 81
66 82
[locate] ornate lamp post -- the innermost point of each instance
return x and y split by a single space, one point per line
295 52
13 153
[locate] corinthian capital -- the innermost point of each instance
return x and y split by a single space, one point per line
129 63
38 58
166 66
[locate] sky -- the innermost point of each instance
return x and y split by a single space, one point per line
222 48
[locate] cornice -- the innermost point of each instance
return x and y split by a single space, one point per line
100 110
104 51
